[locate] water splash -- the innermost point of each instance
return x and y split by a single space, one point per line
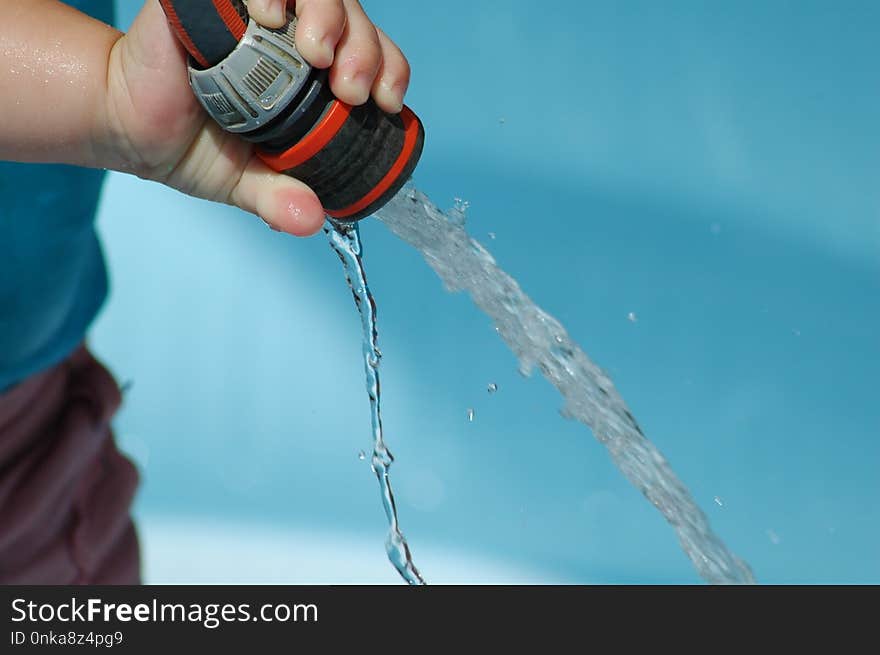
458 213
539 340
346 241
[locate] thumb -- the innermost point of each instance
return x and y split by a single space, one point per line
283 202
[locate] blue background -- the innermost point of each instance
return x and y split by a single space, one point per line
711 167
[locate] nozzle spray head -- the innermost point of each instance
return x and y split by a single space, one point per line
252 81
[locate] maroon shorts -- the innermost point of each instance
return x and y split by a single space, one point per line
65 490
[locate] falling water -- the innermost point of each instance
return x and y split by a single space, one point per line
538 339
346 241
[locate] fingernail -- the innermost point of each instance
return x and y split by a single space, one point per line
322 46
296 215
271 9
393 92
328 49
302 219
361 83
294 210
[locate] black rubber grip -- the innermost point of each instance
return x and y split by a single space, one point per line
206 29
357 159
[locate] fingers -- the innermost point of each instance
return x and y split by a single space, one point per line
337 34
320 24
358 57
284 203
271 13
393 78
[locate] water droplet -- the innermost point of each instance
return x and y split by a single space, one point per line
774 538
492 235
470 415
126 387
492 388
458 213
632 317
718 502
502 120
362 455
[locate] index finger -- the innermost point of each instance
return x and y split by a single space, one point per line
320 25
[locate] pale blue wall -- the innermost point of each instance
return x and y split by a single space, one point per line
710 166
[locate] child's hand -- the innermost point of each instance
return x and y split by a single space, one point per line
159 131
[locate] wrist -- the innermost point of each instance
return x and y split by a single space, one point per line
110 146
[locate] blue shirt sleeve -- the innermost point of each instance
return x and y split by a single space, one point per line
53 279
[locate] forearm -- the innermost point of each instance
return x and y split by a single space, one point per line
53 84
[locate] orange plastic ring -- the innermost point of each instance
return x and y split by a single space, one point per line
313 142
411 136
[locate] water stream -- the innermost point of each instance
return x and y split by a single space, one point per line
346 241
539 340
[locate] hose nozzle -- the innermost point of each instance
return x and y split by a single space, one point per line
252 81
